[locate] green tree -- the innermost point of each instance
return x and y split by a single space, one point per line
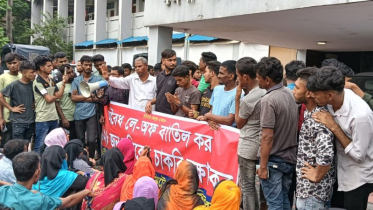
3 7
51 33
21 22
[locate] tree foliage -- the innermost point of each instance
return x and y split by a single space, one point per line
21 22
51 33
3 7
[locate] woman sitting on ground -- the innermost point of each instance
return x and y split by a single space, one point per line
74 150
58 137
180 193
126 147
106 186
55 178
226 196
143 167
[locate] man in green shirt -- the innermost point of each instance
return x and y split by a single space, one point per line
12 61
205 57
66 106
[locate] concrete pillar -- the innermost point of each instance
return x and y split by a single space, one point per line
124 19
47 8
35 16
63 8
79 22
100 31
160 38
301 55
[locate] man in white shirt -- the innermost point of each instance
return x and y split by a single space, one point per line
142 85
353 128
11 149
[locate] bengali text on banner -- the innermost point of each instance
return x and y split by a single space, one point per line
172 139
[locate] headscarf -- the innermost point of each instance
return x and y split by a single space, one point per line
143 167
226 196
126 147
54 178
146 187
181 194
112 161
73 149
56 137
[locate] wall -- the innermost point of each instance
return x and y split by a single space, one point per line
285 55
111 55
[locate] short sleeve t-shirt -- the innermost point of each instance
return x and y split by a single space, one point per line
223 102
19 197
166 83
188 97
21 93
44 111
67 105
279 112
5 80
205 101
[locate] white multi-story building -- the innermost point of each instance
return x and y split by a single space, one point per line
306 30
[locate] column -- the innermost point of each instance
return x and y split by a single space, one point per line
124 19
301 55
160 38
35 16
47 8
79 23
63 8
100 32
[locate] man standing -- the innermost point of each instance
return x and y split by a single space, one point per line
66 106
60 59
22 112
85 110
127 69
352 126
187 97
79 67
291 72
248 121
315 168
223 104
205 57
166 83
46 94
12 61
142 86
115 94
98 61
278 119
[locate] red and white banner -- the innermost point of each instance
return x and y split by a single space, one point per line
172 139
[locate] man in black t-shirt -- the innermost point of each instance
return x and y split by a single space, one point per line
211 76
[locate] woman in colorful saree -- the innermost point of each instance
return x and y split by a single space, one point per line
126 147
180 193
106 186
226 196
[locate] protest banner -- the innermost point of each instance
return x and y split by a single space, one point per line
172 139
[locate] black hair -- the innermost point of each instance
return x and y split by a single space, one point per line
41 60
26 65
214 66
231 67
127 66
270 67
11 57
246 65
119 69
98 57
343 68
53 58
306 73
62 67
181 71
150 67
21 58
85 58
330 62
13 148
60 55
109 68
325 79
24 165
168 53
208 56
292 68
3 207
158 66
191 65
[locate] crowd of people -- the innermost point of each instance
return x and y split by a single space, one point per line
306 132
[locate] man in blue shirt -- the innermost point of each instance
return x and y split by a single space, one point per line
11 149
26 168
223 98
291 72
85 111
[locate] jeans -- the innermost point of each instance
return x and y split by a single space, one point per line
7 135
41 131
71 129
310 203
90 126
276 187
357 199
23 131
247 182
